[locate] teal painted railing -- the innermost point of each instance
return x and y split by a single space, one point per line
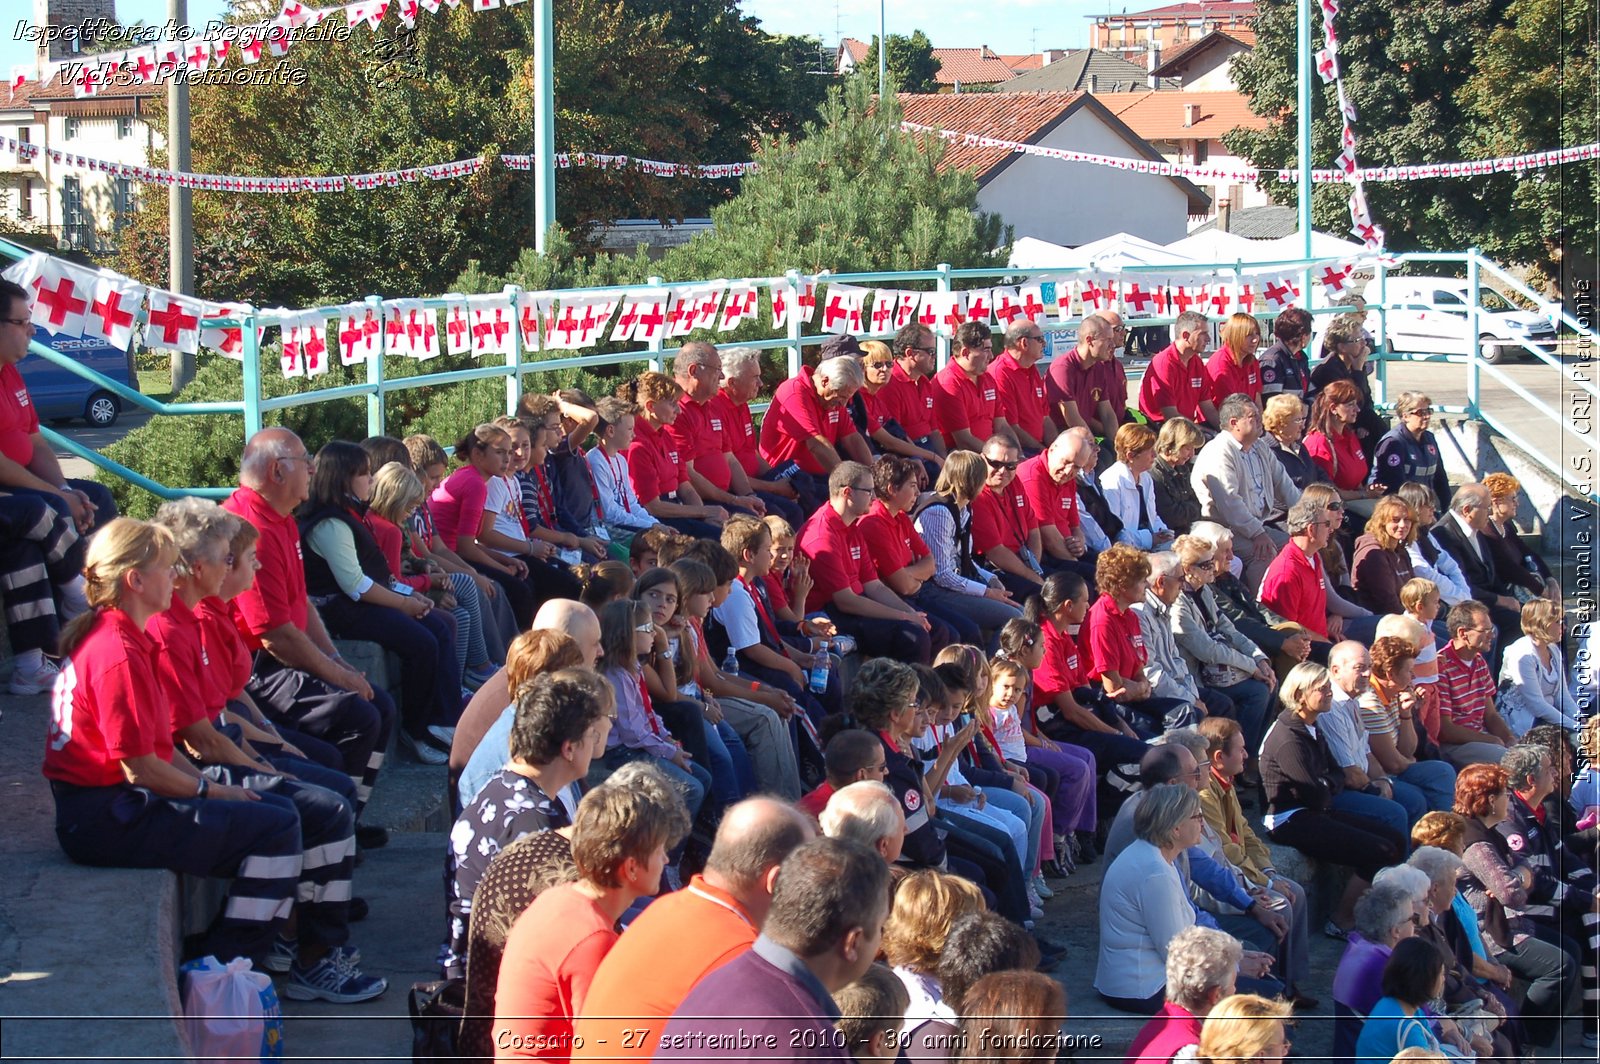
377 386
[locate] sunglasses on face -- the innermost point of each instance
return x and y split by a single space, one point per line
997 465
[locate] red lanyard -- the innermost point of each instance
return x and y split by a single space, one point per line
618 472
761 611
547 500
514 490
650 710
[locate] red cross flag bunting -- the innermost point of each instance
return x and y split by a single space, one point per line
740 307
174 322
565 327
945 309
841 311
492 319
679 321
535 316
978 306
359 334
457 327
1007 308
905 309
289 359
113 309
807 301
225 340
1032 302
707 304
782 304
310 338
1281 292
422 331
61 296
1335 279
884 302
594 314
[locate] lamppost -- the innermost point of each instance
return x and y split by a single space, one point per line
544 123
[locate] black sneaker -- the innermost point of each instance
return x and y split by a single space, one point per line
369 837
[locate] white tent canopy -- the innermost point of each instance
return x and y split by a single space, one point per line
1120 250
1212 246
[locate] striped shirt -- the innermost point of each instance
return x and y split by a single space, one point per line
1465 687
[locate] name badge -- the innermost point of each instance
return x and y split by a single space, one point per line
855 554
716 424
988 395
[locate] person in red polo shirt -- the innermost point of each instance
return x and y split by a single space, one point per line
807 430
1294 586
1022 394
658 469
1004 531
1115 643
966 400
1088 385
701 435
1049 482
741 383
28 464
872 416
907 398
901 557
845 583
1174 383
1233 369
299 680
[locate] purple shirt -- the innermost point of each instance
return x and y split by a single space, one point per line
1358 982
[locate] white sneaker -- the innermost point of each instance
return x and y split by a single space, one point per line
446 736
1041 888
423 749
1035 906
34 681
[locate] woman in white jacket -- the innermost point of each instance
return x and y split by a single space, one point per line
1533 676
1130 491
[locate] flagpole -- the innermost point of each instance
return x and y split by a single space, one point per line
544 121
1303 63
883 48
180 209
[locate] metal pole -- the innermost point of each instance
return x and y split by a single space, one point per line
544 124
377 404
180 210
1475 349
1303 64
883 49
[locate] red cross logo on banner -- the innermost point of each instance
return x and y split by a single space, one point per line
456 325
1138 297
834 313
780 308
529 320
906 309
1093 293
626 320
882 311
252 49
200 56
351 334
978 306
808 301
1246 297
172 321
1183 300
1279 293
566 326
1333 279
954 317
314 346
1032 307
588 325
112 316
649 322
60 301
1220 300
929 315
144 68
1006 309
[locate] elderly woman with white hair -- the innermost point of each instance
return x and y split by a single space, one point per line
1385 914
1464 996
1202 967
1143 905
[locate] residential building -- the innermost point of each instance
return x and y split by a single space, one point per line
1049 199
1188 127
959 68
1131 34
1086 70
1205 65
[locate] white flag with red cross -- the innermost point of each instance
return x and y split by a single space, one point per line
643 315
1280 292
1006 304
422 330
19 78
295 12
978 306
61 293
807 300
841 308
708 303
943 311
457 326
682 302
884 302
173 322
289 360
1030 298
86 79
535 313
360 332
905 309
782 305
739 307
197 54
492 319
593 317
113 309
305 344
1335 278
226 340
566 326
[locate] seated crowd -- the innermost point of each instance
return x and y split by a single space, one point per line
625 625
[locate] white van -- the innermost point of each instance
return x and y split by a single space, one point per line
1412 325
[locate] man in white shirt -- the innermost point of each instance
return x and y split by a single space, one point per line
1368 790
1242 486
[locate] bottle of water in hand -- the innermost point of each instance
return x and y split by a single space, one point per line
817 677
730 662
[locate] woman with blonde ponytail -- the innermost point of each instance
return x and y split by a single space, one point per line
122 799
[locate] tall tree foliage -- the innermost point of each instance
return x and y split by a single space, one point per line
1410 69
911 62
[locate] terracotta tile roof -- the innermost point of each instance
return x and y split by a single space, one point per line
1161 115
1020 63
1212 9
1172 63
123 85
1005 116
971 66
856 50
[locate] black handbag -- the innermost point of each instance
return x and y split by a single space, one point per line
436 1010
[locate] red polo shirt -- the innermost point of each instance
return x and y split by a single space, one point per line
739 430
227 657
279 594
701 438
1021 394
1049 503
797 413
891 539
1062 667
872 405
1116 642
909 402
958 403
18 418
1001 519
1088 386
839 558
1228 377
1169 381
457 505
1293 589
108 706
655 465
1352 463
181 665
1465 687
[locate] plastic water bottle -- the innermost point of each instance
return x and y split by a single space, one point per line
730 662
817 678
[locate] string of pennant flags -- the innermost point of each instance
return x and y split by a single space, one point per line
1345 163
79 301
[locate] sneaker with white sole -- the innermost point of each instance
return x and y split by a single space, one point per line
445 736
286 952
424 749
1041 888
35 681
329 980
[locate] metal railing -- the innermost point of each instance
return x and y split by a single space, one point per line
378 386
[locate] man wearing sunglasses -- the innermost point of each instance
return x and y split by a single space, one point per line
907 398
1004 529
27 464
1016 372
966 399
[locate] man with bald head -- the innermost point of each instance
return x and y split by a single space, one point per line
701 436
482 743
684 935
299 680
1088 385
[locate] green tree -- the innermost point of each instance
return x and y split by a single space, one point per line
911 64
1406 69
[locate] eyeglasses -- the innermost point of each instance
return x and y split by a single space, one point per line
645 629
922 350
308 459
997 465
1335 507
1321 524
1205 565
1037 338
1424 412
881 768
864 489
878 363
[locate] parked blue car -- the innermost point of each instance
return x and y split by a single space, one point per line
59 394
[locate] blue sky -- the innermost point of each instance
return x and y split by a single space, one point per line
1004 25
